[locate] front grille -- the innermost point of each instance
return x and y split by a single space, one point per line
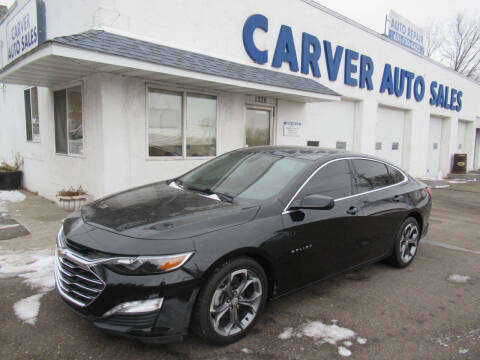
77 283
136 321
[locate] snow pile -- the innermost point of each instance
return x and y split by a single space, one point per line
35 267
459 279
10 196
323 333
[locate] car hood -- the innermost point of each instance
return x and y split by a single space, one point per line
159 211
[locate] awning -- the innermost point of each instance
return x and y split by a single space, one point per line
68 58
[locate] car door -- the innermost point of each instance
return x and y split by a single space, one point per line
380 207
320 242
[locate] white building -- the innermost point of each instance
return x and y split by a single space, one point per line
109 94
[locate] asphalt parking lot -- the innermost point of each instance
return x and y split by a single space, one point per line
430 310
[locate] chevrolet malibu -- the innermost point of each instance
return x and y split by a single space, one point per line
206 250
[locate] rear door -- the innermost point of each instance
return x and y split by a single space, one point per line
381 207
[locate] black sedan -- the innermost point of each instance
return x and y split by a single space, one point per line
206 250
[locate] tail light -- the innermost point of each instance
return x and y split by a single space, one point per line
429 192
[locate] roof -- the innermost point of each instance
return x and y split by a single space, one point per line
300 152
114 44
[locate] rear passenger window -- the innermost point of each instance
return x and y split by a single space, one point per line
334 180
371 175
395 175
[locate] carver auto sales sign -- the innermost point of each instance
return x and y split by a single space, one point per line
22 31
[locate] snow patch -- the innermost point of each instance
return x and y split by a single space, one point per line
326 333
27 309
11 196
35 268
286 334
361 341
246 351
343 351
459 279
463 351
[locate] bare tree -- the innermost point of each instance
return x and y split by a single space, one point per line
433 39
461 49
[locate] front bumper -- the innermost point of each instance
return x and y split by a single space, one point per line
169 323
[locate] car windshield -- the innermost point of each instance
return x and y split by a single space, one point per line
244 175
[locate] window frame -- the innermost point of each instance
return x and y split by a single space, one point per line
299 190
32 140
183 121
66 87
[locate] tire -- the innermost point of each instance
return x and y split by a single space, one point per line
239 286
406 243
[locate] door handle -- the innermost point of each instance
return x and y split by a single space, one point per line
352 210
397 198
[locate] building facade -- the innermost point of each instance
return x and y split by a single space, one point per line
113 94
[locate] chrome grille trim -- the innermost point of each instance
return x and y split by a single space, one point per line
75 280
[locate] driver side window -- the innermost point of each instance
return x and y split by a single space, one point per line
334 180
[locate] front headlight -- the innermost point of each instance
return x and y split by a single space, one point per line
146 265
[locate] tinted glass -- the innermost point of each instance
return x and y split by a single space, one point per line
245 175
395 175
371 175
74 119
334 180
60 115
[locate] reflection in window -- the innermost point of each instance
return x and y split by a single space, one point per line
334 180
68 121
201 125
167 124
31 114
371 175
164 123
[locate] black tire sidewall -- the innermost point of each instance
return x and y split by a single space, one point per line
397 259
204 327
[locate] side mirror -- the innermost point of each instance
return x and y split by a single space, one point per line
314 202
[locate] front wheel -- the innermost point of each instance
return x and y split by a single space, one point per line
406 243
231 301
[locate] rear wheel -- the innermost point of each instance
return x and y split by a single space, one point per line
231 301
406 243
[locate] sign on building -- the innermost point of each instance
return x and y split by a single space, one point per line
22 31
405 33
291 128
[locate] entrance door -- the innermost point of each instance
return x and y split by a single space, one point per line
258 130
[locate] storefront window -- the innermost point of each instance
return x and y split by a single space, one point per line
201 125
68 121
31 114
173 131
164 123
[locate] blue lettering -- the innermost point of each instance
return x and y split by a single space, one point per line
285 49
366 72
399 83
252 23
440 97
433 93
310 59
445 100
350 68
453 98
410 76
459 101
419 93
333 61
387 83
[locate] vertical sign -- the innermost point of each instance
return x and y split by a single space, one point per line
405 33
22 31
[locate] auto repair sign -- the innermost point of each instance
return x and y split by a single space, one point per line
22 31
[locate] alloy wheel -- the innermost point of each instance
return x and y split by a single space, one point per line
409 242
235 302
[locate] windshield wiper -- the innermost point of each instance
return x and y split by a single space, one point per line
207 191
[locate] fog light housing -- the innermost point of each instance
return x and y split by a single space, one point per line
136 307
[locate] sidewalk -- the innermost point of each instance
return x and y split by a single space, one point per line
41 217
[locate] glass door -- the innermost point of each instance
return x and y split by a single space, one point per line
258 130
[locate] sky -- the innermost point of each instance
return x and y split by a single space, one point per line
371 13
